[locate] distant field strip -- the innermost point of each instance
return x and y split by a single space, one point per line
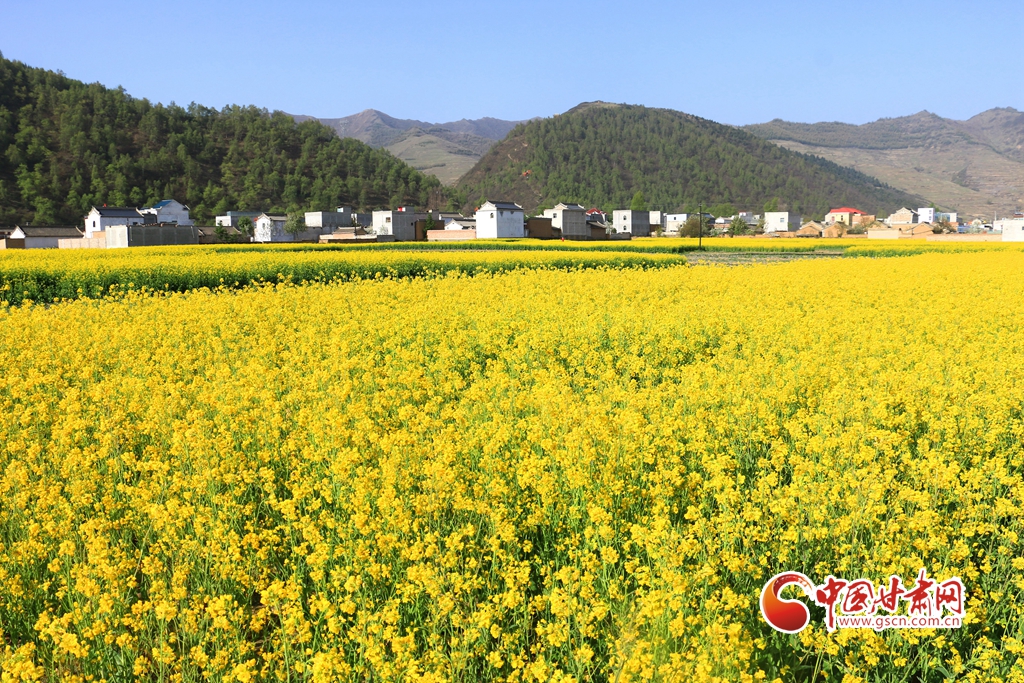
48 275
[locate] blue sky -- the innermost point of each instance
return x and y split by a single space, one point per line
734 61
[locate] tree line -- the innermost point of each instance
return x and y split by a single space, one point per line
601 156
66 145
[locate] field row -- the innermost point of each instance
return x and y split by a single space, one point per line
555 476
45 276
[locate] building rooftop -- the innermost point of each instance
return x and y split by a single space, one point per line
847 209
505 206
117 211
49 230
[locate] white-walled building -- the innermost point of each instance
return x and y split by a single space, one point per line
780 221
270 228
231 218
102 217
500 219
656 218
45 236
329 220
400 223
635 223
166 211
1012 229
674 222
950 216
926 215
904 216
571 219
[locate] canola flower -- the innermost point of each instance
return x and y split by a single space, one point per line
45 276
525 476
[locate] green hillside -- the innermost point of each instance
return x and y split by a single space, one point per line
600 155
66 145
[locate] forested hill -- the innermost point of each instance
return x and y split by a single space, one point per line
66 145
600 155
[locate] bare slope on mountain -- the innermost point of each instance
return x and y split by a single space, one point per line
600 154
445 150
975 167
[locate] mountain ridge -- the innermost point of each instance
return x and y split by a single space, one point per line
600 153
445 150
975 166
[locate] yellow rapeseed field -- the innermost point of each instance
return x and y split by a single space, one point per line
525 476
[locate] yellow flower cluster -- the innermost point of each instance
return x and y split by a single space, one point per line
45 276
525 476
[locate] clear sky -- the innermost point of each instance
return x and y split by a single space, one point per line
733 61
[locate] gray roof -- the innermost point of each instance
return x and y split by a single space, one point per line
117 211
505 206
50 231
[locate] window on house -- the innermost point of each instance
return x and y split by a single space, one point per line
388 219
492 215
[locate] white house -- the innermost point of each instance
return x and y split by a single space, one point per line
500 219
635 223
45 236
102 217
780 221
270 228
231 218
571 219
166 211
904 216
926 215
400 223
657 218
329 220
1012 229
674 222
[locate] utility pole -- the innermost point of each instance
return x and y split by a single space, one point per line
700 226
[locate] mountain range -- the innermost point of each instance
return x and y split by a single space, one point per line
975 166
600 154
445 150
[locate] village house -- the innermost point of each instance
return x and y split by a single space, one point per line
539 227
597 215
812 229
904 216
655 220
635 223
44 236
926 215
499 219
329 220
674 222
166 211
570 219
231 218
780 221
834 231
400 223
270 228
1012 229
845 214
100 218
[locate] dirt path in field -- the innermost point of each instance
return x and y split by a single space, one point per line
709 258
